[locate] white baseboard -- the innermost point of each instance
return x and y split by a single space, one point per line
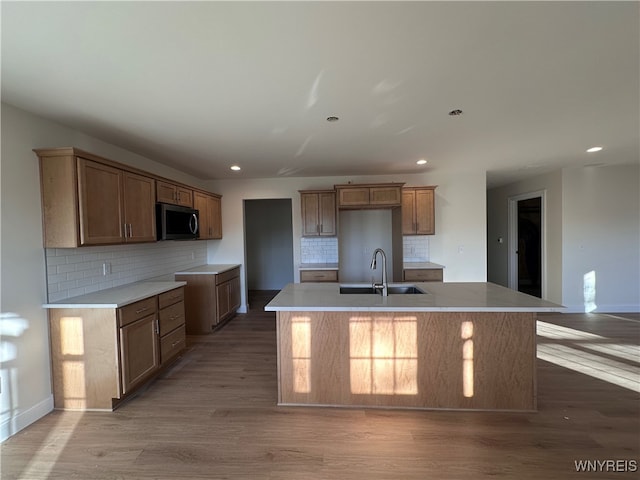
25 418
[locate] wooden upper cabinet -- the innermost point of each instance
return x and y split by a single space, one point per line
139 208
100 203
318 213
88 202
385 195
209 215
115 206
418 211
174 194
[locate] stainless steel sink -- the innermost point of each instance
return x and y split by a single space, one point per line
392 290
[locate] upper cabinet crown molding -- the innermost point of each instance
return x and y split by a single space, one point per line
91 200
374 195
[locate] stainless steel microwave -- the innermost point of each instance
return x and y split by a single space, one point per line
176 223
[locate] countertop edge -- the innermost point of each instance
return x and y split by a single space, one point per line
215 269
152 288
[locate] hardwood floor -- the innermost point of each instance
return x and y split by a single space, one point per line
214 416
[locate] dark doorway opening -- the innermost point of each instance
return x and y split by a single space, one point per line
530 246
268 248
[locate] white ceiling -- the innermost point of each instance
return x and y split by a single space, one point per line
202 86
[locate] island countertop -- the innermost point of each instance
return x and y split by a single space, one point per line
438 296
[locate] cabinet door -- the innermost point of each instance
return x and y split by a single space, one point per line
185 197
310 208
408 212
387 196
201 203
223 300
353 196
138 351
165 192
215 217
234 294
327 214
139 208
100 199
425 222
174 194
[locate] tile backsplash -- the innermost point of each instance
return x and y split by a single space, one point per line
76 271
415 248
319 250
325 250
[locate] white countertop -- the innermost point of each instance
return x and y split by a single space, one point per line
318 266
208 269
421 265
116 297
439 296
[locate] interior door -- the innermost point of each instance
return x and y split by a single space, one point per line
529 249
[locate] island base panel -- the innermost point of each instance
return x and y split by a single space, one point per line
430 360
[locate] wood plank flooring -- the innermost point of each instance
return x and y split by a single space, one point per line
214 416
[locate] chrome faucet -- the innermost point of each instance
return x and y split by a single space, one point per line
384 285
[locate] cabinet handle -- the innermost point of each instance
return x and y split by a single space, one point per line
178 196
157 327
140 310
130 230
125 231
175 343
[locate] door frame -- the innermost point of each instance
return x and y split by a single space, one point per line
513 238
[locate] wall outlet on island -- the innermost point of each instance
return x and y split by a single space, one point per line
193 255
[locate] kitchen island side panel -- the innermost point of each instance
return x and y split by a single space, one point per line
430 360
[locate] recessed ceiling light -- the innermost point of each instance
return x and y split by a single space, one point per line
235 168
594 149
422 161
455 113
332 119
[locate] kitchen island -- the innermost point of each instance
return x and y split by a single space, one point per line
468 346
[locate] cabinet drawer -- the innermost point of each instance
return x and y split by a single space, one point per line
425 275
172 344
170 297
228 275
171 317
136 311
318 276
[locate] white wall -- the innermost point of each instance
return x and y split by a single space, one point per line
593 225
460 218
601 211
498 227
24 343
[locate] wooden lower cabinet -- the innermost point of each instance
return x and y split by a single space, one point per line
139 352
210 299
422 275
99 356
318 276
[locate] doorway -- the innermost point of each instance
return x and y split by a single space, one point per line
526 244
268 246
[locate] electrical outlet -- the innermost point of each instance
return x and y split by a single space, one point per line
460 248
193 255
106 269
